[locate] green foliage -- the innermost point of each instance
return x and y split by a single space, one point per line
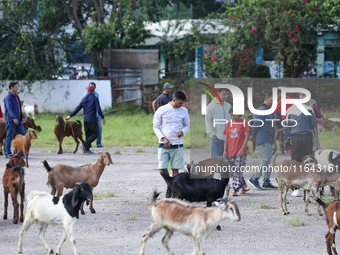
255 71
32 40
286 28
296 221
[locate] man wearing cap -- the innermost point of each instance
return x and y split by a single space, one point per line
82 74
100 128
91 106
163 98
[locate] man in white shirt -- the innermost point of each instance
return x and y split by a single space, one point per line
171 123
217 111
82 74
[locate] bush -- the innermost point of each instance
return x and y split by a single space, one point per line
255 71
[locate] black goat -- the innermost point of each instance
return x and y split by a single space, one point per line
194 188
46 209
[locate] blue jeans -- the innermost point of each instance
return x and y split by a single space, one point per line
11 127
265 150
100 129
217 147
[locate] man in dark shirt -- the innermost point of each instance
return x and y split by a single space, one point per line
73 75
163 98
91 106
13 117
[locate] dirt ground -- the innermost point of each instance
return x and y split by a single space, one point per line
132 178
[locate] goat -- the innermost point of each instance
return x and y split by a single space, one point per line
61 176
334 119
209 167
194 189
46 209
70 128
23 143
28 123
332 212
327 125
293 174
13 182
329 160
194 221
30 109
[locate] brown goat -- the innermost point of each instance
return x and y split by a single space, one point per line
14 183
327 125
70 128
23 143
332 212
28 123
61 176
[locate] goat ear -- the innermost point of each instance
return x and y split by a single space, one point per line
100 160
75 197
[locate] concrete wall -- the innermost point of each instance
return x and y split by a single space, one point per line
59 96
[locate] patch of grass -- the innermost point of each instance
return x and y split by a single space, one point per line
327 200
154 152
296 221
97 196
117 152
124 149
43 151
120 130
133 217
264 206
138 150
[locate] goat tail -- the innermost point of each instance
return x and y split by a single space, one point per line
272 162
166 177
47 166
32 195
320 202
154 198
79 122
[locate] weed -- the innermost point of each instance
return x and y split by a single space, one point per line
133 217
264 206
97 196
117 152
138 150
296 221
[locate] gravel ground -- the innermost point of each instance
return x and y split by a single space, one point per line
133 178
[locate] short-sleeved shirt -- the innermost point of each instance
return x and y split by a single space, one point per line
236 135
163 99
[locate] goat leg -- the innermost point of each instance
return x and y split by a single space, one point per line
285 191
77 142
306 198
91 207
63 239
5 204
333 244
314 192
82 208
165 240
22 198
60 147
15 206
153 229
42 231
280 189
26 158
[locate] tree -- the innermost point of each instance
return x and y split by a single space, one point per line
32 40
286 28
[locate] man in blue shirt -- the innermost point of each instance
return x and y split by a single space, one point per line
263 133
91 106
163 98
13 117
100 127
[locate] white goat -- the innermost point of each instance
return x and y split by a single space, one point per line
30 109
194 221
46 209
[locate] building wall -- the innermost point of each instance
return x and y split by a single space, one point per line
324 40
59 96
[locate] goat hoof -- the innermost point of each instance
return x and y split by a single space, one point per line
15 221
82 213
60 152
21 219
5 217
51 252
93 211
218 227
